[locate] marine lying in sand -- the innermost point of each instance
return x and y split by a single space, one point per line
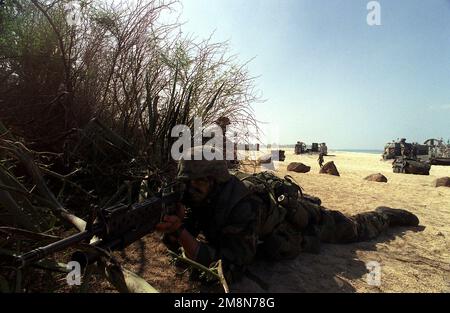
244 217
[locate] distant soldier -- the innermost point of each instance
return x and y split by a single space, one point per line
242 217
297 148
320 159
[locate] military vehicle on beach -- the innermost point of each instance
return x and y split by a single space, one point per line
391 150
402 148
300 148
432 151
410 166
315 147
438 151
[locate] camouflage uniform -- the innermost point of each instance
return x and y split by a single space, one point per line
238 225
228 220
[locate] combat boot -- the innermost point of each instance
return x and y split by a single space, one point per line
397 217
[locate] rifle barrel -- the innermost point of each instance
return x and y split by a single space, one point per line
39 253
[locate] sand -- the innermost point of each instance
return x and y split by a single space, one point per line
411 260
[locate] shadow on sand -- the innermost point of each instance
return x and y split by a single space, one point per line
329 271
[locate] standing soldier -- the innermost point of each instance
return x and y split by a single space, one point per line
320 159
223 122
298 148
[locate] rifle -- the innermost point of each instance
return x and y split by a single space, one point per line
116 227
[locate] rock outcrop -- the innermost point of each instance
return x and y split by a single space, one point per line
298 167
442 182
377 178
330 169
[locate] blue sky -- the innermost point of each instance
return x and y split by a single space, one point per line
328 76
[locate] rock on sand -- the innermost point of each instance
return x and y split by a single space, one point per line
442 182
330 169
377 178
298 167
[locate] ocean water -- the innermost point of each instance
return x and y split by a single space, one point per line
357 150
372 151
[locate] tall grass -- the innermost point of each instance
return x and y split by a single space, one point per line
119 64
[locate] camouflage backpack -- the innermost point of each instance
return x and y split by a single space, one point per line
284 217
281 197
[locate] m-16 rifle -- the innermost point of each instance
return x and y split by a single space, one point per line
116 227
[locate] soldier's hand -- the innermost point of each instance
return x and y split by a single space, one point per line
180 211
169 224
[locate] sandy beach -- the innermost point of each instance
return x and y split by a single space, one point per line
412 260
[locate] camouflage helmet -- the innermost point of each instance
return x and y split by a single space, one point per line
189 168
